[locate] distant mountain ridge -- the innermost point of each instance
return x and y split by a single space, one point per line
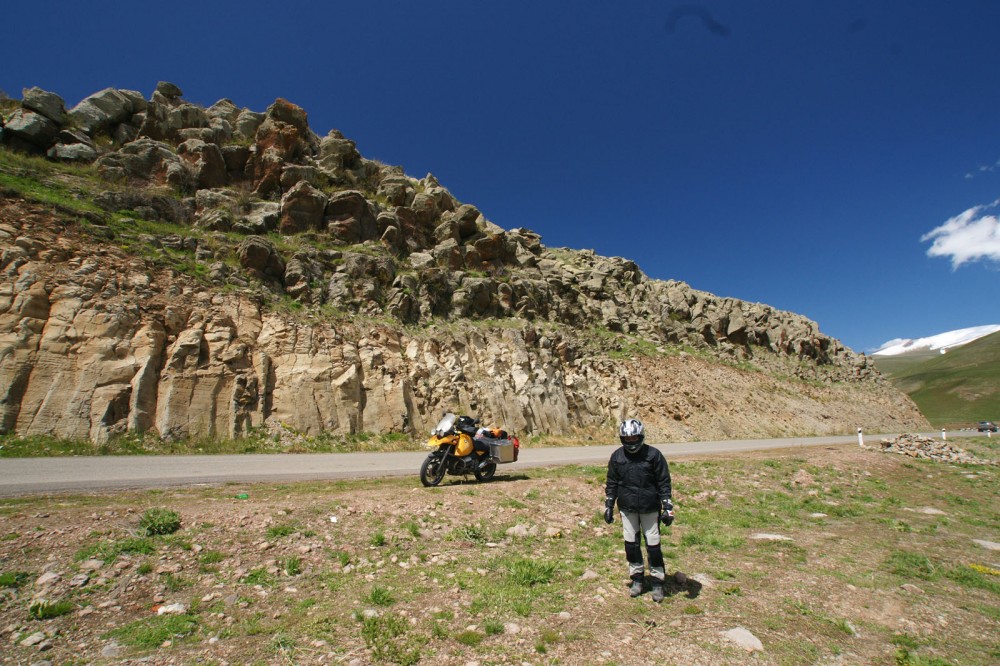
954 389
941 341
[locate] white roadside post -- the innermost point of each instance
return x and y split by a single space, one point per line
944 435
861 438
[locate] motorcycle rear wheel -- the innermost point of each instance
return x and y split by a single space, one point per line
486 472
432 470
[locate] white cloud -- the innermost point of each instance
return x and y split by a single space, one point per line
970 236
983 169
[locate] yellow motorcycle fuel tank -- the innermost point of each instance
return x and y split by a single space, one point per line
462 442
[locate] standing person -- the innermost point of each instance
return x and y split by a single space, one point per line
639 480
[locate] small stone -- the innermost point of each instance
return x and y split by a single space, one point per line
47 579
79 580
518 530
511 628
988 545
33 639
589 575
763 536
910 587
743 638
92 565
171 609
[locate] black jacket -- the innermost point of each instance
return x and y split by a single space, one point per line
640 480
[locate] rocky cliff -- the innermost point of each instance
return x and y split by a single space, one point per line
200 272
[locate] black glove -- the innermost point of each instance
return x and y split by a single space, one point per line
667 512
609 510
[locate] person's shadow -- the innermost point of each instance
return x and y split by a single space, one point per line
680 583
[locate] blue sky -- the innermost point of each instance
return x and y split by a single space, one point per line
807 155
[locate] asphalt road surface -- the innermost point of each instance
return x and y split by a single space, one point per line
34 476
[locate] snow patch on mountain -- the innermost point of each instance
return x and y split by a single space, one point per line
942 341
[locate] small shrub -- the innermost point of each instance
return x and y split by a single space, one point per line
493 627
469 637
284 643
378 539
380 596
45 610
160 521
292 565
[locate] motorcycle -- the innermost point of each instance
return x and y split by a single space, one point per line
459 447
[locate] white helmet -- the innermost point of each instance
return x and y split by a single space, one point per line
631 433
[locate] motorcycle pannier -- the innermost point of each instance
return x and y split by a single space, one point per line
503 450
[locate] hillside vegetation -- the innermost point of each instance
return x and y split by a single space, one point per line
954 389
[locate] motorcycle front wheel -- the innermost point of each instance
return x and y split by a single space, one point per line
432 470
486 472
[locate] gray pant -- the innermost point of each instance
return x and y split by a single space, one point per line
647 524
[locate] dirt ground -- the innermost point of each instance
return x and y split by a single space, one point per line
520 570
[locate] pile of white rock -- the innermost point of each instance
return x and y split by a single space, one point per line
917 446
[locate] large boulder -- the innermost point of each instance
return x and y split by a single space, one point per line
102 110
48 104
246 124
336 152
283 137
206 161
350 218
302 209
260 258
32 129
147 160
147 203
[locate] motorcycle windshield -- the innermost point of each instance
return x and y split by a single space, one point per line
445 424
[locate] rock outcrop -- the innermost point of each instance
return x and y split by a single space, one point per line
398 302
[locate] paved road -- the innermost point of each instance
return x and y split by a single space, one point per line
33 476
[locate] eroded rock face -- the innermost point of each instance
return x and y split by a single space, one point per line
93 343
541 339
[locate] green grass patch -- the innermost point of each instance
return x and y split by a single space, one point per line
389 641
108 551
13 579
281 530
46 610
150 633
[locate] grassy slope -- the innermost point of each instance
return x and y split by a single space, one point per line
960 387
